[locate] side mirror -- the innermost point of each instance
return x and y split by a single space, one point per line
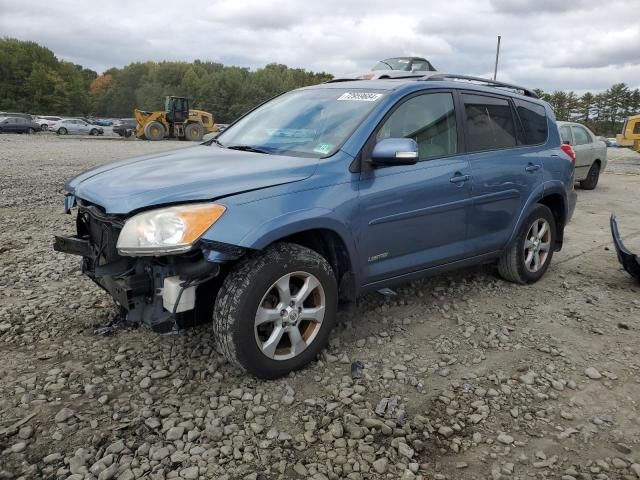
395 151
566 142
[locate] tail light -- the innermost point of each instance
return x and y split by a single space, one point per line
568 149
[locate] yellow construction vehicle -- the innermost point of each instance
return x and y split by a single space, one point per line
177 121
630 136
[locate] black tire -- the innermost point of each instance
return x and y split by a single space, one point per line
250 285
30 131
44 127
154 131
194 132
93 132
127 133
62 131
593 176
512 266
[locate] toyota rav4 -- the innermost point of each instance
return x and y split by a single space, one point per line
318 196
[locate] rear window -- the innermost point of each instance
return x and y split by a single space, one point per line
534 122
489 123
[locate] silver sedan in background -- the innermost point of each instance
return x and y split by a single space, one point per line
591 153
75 125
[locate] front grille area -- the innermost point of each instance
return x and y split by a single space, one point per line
102 231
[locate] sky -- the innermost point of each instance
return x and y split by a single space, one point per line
575 45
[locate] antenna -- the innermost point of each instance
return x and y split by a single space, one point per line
495 70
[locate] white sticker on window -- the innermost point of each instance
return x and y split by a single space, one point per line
360 96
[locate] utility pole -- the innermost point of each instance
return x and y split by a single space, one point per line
495 70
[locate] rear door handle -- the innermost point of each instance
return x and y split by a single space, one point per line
532 168
458 178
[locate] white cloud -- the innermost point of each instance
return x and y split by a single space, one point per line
578 45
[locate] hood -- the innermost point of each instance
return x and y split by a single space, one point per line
197 173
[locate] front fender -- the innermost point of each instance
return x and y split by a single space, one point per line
300 221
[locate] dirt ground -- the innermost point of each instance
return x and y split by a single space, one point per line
485 379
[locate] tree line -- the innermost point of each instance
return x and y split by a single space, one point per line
603 113
33 80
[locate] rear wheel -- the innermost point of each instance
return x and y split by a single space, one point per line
194 132
30 131
44 127
593 176
275 310
62 131
154 131
528 258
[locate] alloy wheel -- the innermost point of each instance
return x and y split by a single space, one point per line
290 315
537 245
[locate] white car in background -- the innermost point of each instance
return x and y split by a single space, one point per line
591 153
67 126
46 121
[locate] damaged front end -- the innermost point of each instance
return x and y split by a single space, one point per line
160 292
630 261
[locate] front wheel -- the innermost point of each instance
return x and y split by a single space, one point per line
30 131
194 132
593 176
154 131
275 310
528 258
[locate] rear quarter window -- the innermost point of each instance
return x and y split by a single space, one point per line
534 122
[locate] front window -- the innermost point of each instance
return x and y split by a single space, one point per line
430 120
581 136
307 123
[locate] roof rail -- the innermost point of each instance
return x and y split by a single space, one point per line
493 83
382 75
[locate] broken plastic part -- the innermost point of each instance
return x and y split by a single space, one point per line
630 261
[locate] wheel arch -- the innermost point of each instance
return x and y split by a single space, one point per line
325 235
552 196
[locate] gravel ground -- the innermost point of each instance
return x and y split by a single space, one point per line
464 376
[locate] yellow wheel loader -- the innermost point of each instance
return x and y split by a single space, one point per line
630 136
177 121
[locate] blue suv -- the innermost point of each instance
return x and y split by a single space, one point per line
318 196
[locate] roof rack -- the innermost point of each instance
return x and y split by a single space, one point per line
383 75
492 83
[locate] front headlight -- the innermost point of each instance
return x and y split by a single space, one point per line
167 230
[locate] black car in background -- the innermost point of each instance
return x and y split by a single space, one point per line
125 126
18 125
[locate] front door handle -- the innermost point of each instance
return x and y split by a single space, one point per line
532 168
458 178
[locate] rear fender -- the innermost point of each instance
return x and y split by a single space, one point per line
542 190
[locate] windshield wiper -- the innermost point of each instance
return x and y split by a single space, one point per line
247 148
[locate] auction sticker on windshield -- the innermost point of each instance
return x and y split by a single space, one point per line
323 148
360 96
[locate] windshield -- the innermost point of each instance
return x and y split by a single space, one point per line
393 64
308 123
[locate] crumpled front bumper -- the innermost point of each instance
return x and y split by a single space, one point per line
137 284
630 261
